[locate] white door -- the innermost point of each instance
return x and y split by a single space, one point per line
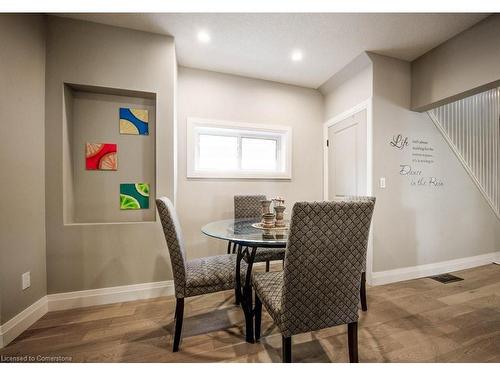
347 157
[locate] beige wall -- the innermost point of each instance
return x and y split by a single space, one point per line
465 64
22 219
349 87
416 225
226 97
96 193
83 257
413 226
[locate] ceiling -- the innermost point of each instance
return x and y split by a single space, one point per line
259 45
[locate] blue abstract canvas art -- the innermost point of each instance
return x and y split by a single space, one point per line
134 121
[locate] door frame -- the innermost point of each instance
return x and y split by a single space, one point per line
364 105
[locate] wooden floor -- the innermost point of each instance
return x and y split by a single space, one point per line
415 321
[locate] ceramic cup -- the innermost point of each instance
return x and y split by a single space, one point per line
268 220
266 206
280 222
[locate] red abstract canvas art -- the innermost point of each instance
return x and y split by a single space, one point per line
101 156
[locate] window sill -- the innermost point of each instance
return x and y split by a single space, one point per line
239 175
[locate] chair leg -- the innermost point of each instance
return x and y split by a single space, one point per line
362 292
258 317
352 340
267 266
229 247
236 296
179 316
286 347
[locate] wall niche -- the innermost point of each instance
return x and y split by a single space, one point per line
91 115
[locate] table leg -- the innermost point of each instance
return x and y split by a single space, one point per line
247 303
237 282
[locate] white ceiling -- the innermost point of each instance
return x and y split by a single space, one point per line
259 44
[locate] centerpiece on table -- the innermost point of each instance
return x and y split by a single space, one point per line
272 220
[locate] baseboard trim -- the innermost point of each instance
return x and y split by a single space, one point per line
22 321
92 297
409 273
103 296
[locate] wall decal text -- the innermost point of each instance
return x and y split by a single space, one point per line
399 142
417 159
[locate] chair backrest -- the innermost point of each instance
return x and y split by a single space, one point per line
175 243
323 263
355 198
248 206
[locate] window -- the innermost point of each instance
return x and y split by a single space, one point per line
221 149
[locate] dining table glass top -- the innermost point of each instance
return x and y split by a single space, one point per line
241 231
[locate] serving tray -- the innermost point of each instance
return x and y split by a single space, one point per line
259 226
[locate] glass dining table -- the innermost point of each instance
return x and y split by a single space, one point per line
247 238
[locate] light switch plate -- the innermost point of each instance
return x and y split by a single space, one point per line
26 277
382 182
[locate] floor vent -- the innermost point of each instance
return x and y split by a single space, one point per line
446 278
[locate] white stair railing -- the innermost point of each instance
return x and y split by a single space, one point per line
471 126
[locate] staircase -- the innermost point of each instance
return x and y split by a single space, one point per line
471 126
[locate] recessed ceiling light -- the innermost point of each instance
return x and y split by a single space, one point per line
203 36
297 55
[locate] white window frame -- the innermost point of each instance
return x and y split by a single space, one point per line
282 134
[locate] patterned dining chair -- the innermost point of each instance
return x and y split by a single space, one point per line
362 289
192 277
245 206
248 206
319 285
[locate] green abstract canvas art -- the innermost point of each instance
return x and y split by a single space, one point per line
134 196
